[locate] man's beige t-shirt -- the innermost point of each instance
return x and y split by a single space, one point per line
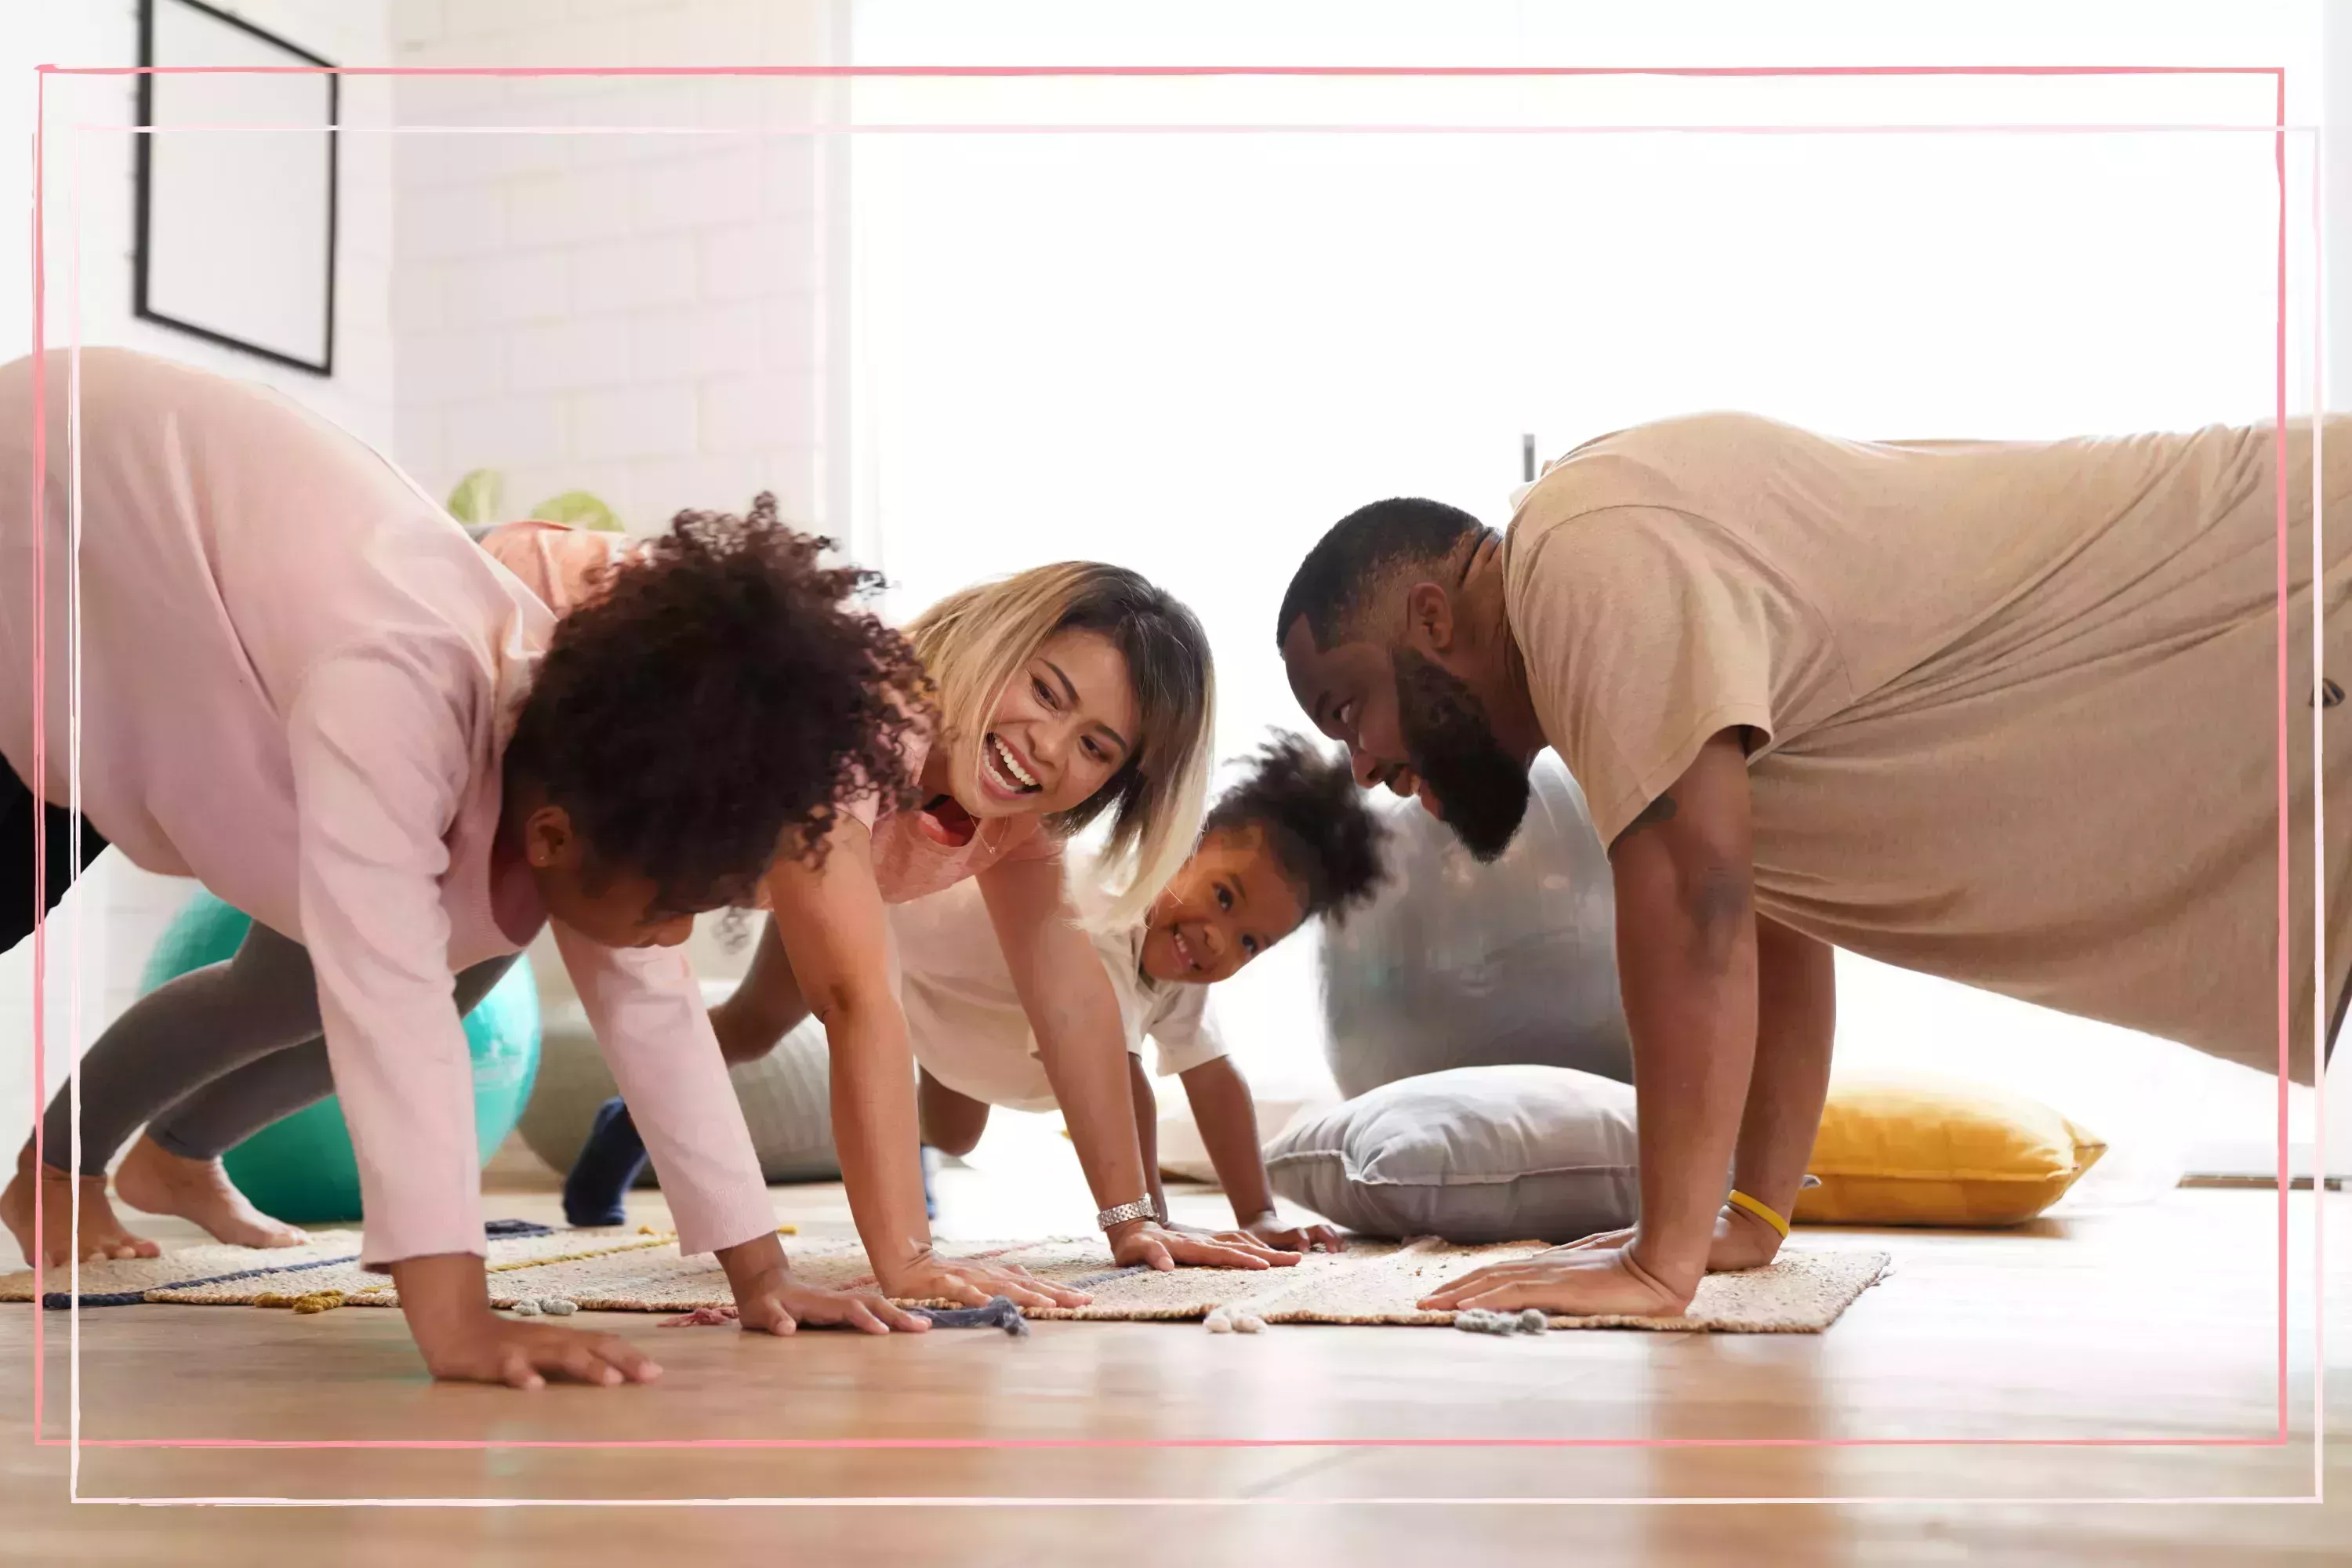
2014 706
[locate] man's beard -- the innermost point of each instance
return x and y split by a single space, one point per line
1480 787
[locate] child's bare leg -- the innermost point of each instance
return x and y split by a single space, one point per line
154 1180
58 1194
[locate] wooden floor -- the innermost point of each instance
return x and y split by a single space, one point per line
2157 1324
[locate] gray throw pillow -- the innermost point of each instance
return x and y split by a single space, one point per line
1472 1154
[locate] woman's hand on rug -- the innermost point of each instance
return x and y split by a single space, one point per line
784 1304
445 1300
767 1299
928 1277
1577 1282
1741 1241
1163 1247
524 1355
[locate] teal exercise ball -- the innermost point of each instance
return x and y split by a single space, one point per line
300 1169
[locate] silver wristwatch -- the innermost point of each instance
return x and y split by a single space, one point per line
1142 1208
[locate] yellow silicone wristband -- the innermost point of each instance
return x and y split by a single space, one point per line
1761 1212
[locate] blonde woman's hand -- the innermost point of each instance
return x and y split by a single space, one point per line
929 1277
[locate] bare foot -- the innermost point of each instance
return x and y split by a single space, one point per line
154 1180
102 1234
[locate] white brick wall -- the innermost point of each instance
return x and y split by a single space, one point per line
632 315
105 32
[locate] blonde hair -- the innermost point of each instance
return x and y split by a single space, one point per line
973 642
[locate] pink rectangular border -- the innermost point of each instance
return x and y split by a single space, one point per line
2281 1435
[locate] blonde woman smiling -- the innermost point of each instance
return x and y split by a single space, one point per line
1065 693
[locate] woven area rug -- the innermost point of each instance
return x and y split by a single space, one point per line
216 1275
1803 1292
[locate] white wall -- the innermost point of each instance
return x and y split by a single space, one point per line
641 315
657 318
118 911
105 33
1232 339
638 316
631 314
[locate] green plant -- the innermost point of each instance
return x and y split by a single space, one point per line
480 498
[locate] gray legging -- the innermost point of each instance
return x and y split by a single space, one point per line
211 1058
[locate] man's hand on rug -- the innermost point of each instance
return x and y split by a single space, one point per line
1741 1241
1580 1282
928 1277
1161 1246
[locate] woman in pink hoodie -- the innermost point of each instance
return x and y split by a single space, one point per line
289 674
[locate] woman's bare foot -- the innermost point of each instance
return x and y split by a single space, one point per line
102 1234
154 1180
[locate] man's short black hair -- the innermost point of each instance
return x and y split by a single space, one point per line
1332 583
1318 823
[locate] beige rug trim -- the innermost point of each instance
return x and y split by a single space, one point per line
167 1278
178 1264
1804 1291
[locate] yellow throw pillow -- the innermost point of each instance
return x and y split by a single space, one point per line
1920 1149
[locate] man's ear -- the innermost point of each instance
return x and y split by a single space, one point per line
1429 618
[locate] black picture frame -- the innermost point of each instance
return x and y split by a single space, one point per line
143 188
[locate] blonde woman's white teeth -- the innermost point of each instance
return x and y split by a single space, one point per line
993 759
1007 767
1012 763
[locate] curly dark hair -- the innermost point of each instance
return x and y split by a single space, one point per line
720 695
1320 825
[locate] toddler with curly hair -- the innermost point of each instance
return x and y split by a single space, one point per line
1292 839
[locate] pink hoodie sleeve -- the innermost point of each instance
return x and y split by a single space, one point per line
647 1009
379 763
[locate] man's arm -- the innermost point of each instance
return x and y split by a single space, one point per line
1687 962
1796 1024
1732 1018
